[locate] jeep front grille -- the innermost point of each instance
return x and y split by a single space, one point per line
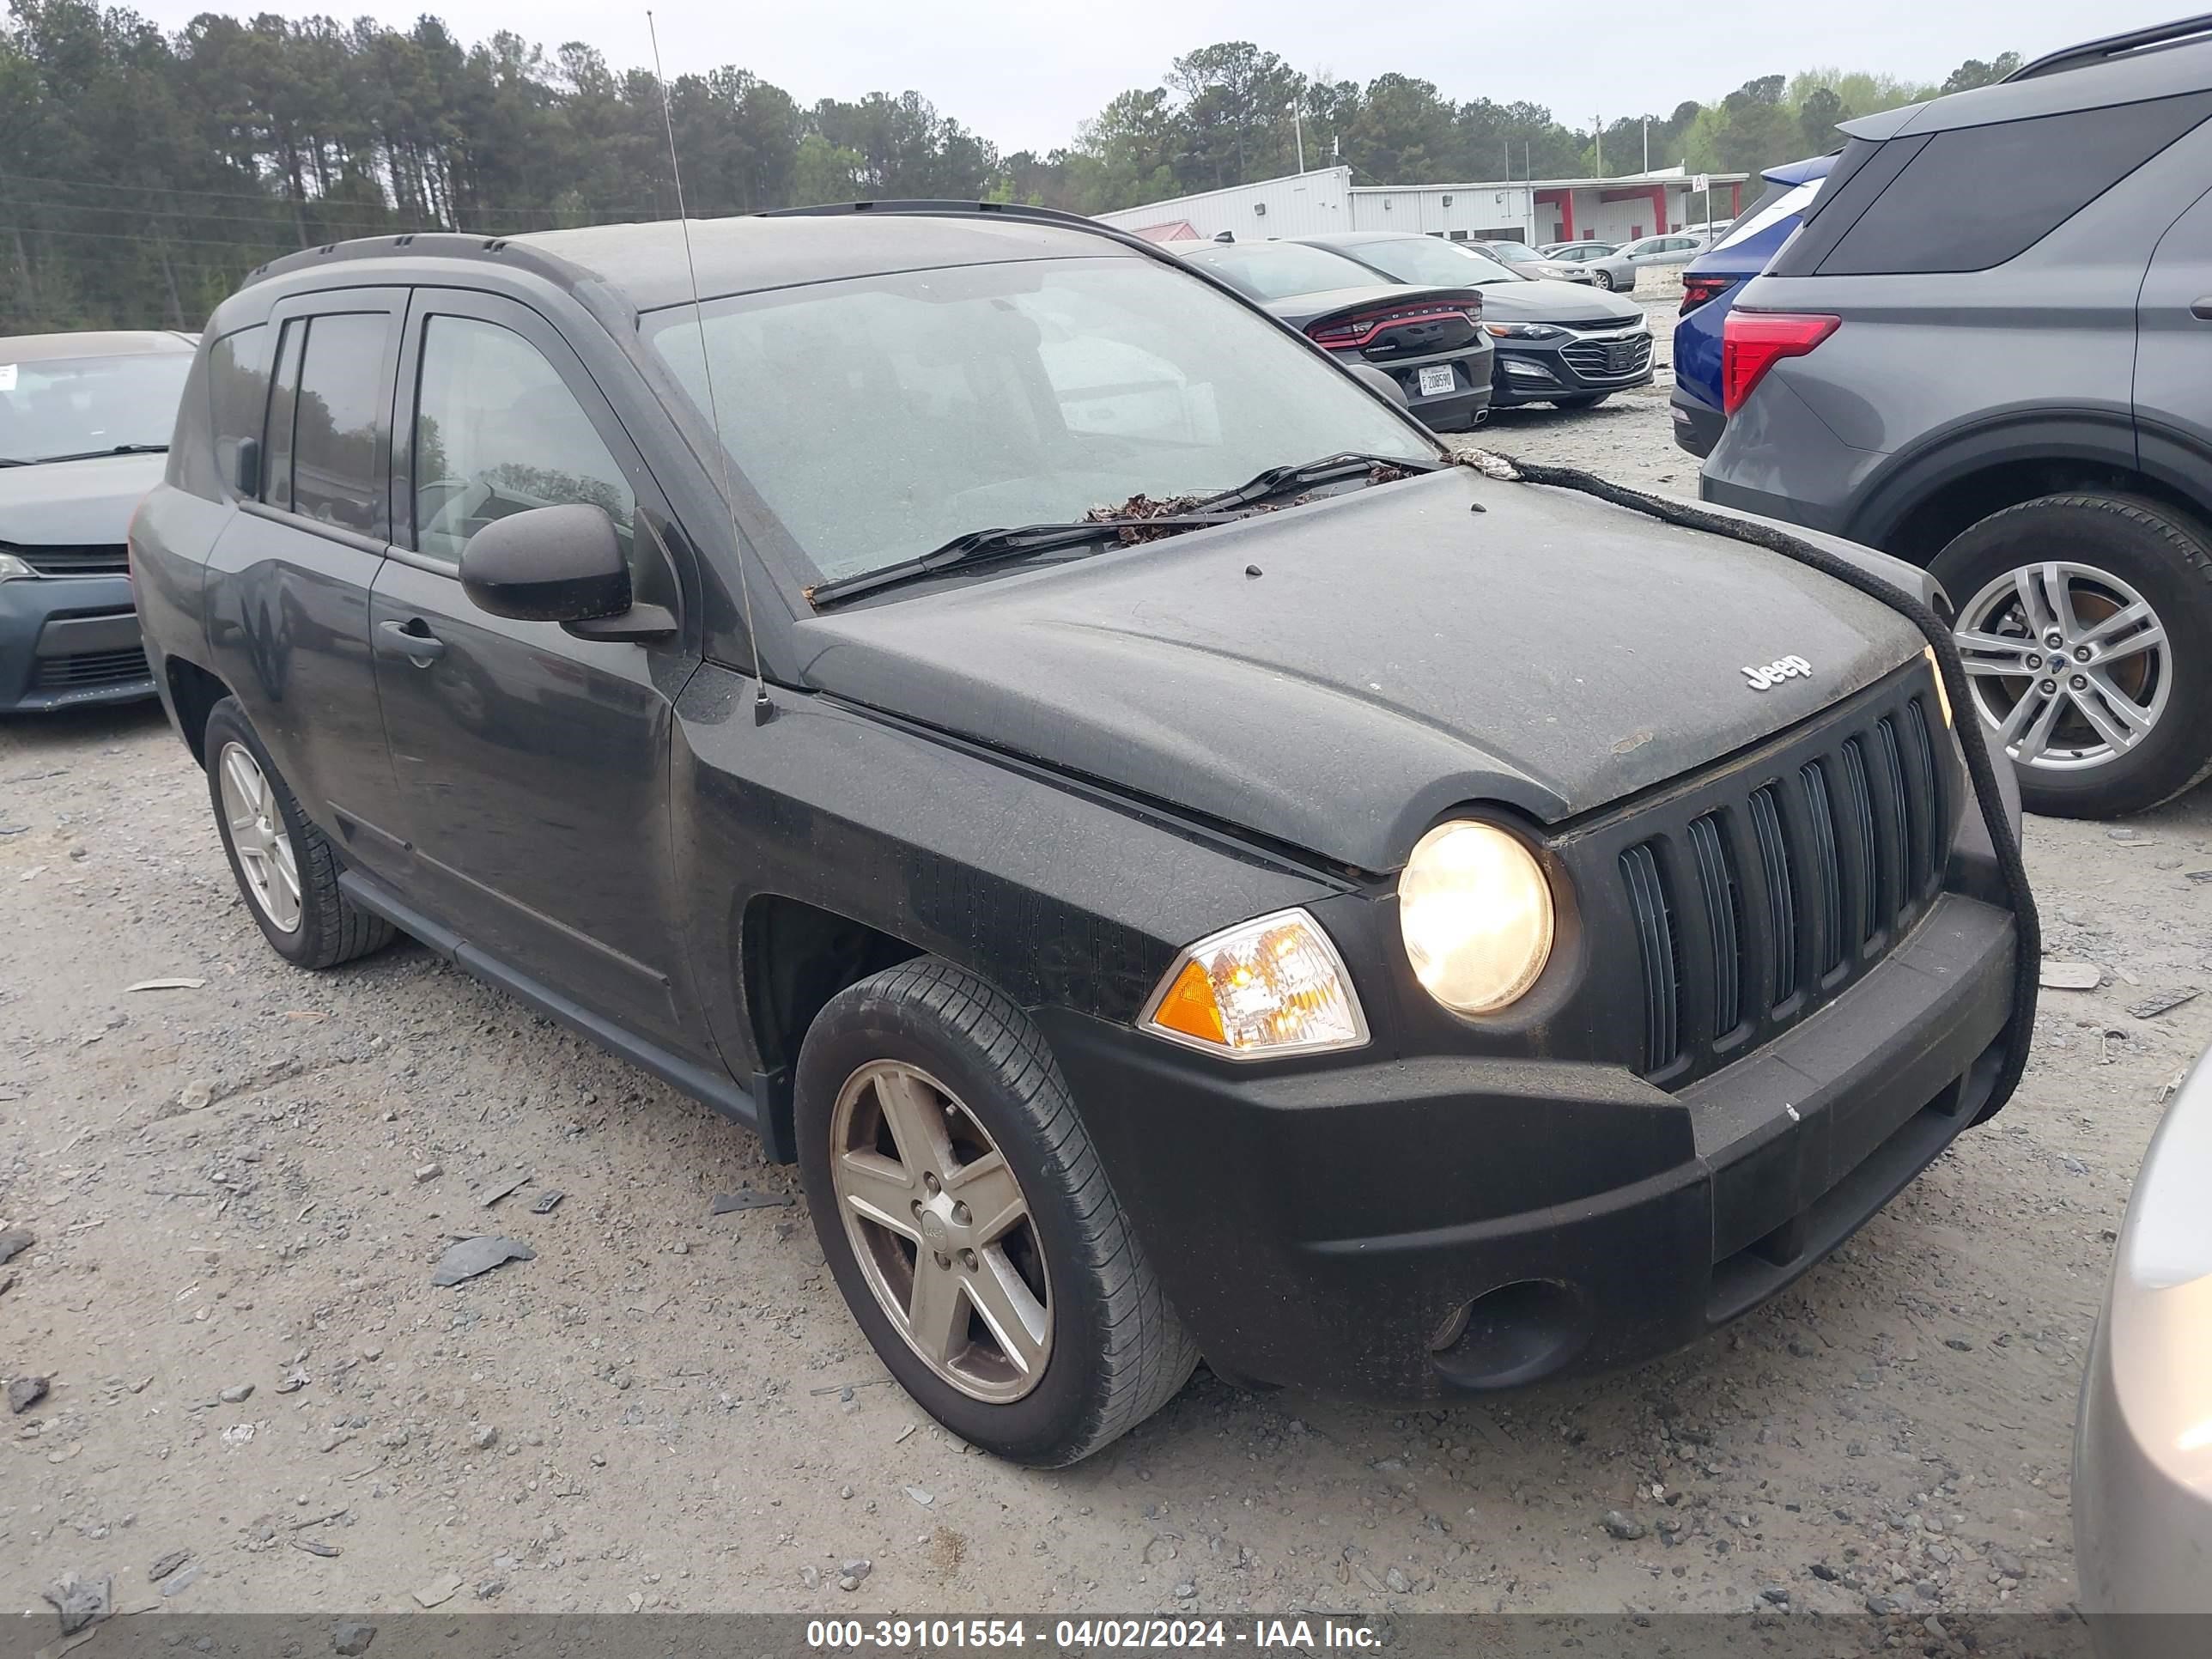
1782 882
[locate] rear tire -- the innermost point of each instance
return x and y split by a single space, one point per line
1097 1348
286 869
2100 557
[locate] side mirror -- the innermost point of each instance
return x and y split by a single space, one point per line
556 564
1379 379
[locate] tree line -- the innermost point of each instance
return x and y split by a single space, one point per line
143 174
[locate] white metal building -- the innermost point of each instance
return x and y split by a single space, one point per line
1522 210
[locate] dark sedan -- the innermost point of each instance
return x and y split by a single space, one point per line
1564 343
84 434
1431 342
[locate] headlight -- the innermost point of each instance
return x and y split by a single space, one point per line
11 568
1475 912
1524 330
1270 987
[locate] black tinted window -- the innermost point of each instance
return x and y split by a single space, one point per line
1976 196
334 475
238 395
284 399
498 432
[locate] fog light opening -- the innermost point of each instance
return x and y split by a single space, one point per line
1514 1334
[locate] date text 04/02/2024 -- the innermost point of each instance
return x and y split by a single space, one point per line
858 1635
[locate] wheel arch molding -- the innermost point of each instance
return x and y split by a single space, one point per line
1928 492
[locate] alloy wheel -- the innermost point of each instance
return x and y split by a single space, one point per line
2068 663
258 835
942 1231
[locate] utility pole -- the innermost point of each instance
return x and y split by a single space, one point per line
1647 143
1298 127
1597 137
31 306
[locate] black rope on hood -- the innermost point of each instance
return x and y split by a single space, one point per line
2027 964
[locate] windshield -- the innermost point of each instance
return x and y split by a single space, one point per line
880 416
1278 270
1514 253
1440 265
69 405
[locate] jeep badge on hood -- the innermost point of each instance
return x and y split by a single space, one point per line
1781 669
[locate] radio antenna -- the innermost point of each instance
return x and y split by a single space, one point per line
761 707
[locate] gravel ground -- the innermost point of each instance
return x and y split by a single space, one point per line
242 1185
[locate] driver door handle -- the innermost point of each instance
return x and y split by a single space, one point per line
411 640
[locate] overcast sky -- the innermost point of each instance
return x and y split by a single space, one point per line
1021 74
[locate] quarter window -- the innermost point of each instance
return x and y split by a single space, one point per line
498 432
238 395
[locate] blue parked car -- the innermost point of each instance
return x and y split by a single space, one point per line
1709 284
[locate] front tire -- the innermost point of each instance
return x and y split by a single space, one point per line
1603 279
968 1221
2086 625
286 870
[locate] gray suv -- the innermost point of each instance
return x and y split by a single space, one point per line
1988 349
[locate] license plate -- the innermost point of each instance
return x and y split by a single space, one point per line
1436 381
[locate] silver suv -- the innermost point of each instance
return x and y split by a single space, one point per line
1988 349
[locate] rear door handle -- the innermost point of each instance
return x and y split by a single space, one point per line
2202 309
402 639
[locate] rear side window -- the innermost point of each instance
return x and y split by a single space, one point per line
498 432
1975 197
335 430
284 399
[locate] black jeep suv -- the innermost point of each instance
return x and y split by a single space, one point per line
1181 866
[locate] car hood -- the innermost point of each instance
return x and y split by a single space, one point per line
74 503
1336 677
1554 302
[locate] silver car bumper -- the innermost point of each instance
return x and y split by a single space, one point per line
2143 1447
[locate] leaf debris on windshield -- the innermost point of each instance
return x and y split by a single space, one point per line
1141 506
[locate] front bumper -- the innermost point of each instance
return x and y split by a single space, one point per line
2142 1449
1327 1228
1543 371
69 641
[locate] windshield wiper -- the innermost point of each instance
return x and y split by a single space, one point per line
986 546
1342 464
95 455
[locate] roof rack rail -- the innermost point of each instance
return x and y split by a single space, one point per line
947 206
928 207
2113 46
